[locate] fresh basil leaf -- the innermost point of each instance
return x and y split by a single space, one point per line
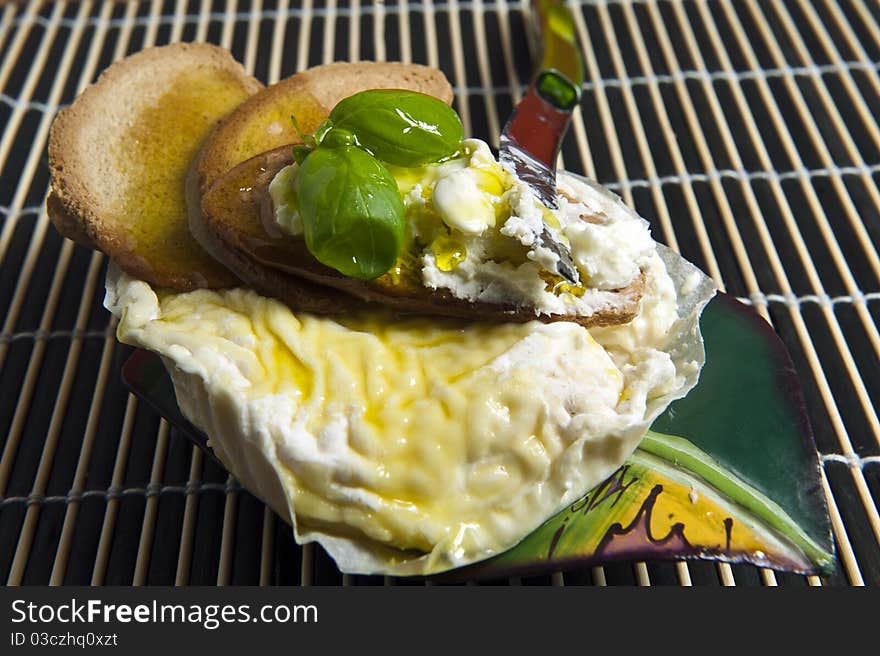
351 209
403 128
337 137
300 152
322 130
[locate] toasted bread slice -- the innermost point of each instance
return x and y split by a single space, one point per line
263 121
239 228
120 153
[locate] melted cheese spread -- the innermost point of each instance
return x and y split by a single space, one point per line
423 442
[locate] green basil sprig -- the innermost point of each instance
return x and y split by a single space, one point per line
350 205
351 209
403 128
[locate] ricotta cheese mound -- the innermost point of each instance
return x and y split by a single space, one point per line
414 445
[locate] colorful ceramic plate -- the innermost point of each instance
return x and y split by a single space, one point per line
728 473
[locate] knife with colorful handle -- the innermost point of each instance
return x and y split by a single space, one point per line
532 137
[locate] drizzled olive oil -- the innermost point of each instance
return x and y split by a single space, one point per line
275 126
449 251
556 284
155 155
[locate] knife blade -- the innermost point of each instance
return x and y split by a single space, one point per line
533 134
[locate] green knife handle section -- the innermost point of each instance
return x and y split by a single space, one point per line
561 74
557 90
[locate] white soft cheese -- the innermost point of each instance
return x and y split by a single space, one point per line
407 445
283 201
525 222
462 205
609 242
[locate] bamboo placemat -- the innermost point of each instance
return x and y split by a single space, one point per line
745 131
